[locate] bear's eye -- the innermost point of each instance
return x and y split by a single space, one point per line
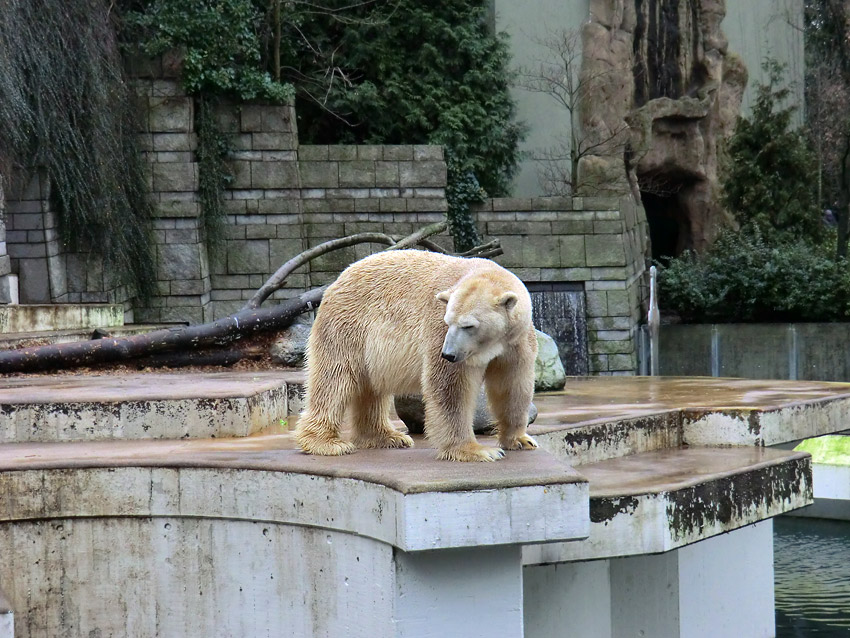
468 328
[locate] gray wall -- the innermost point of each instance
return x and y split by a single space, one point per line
810 351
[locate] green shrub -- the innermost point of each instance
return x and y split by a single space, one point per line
359 79
743 278
221 44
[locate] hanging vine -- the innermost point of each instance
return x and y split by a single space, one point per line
64 106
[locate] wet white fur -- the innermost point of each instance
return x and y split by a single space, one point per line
380 331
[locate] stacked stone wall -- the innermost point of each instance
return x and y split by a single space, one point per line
600 243
285 198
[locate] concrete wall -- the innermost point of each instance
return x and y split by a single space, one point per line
812 351
286 198
597 242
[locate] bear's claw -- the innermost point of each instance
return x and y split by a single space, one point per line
522 442
326 447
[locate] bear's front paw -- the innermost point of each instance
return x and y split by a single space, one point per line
522 442
472 452
394 439
325 447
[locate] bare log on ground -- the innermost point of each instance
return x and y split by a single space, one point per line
225 330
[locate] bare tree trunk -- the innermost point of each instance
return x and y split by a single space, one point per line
844 201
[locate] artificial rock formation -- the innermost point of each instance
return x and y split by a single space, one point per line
662 68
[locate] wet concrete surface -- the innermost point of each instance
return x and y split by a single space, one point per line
671 470
113 388
587 399
408 470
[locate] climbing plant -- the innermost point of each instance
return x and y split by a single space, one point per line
64 106
222 58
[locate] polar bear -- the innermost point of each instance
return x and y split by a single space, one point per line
410 321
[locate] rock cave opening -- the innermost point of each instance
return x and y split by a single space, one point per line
669 227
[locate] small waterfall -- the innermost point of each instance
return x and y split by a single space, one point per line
558 310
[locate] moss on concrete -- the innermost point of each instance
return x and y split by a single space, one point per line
828 450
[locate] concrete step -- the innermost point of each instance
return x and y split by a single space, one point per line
658 501
32 318
600 418
144 405
47 337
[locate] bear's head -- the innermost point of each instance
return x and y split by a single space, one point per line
480 315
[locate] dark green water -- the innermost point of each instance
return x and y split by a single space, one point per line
812 571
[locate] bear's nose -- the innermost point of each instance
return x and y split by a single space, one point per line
448 356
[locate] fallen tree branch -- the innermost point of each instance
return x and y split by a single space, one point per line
225 330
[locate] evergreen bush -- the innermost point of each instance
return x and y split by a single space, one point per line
409 72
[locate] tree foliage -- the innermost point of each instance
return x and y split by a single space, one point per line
64 106
220 42
406 72
828 105
770 176
744 278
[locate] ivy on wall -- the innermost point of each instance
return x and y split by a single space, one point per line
64 106
222 58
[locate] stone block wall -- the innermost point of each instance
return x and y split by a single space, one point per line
168 142
284 201
601 243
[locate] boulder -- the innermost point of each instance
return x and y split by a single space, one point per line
290 347
548 370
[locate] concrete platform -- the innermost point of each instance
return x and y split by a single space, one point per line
597 418
659 501
139 406
44 337
240 537
194 536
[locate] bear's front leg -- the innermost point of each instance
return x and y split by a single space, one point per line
450 391
509 381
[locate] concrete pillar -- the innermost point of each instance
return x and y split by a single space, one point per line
722 586
567 600
7 618
459 592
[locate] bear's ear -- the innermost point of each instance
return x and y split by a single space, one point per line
508 300
444 296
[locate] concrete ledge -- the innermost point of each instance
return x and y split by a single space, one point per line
596 418
28 318
405 498
658 501
137 406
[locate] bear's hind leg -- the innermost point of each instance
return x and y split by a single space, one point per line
320 424
372 427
